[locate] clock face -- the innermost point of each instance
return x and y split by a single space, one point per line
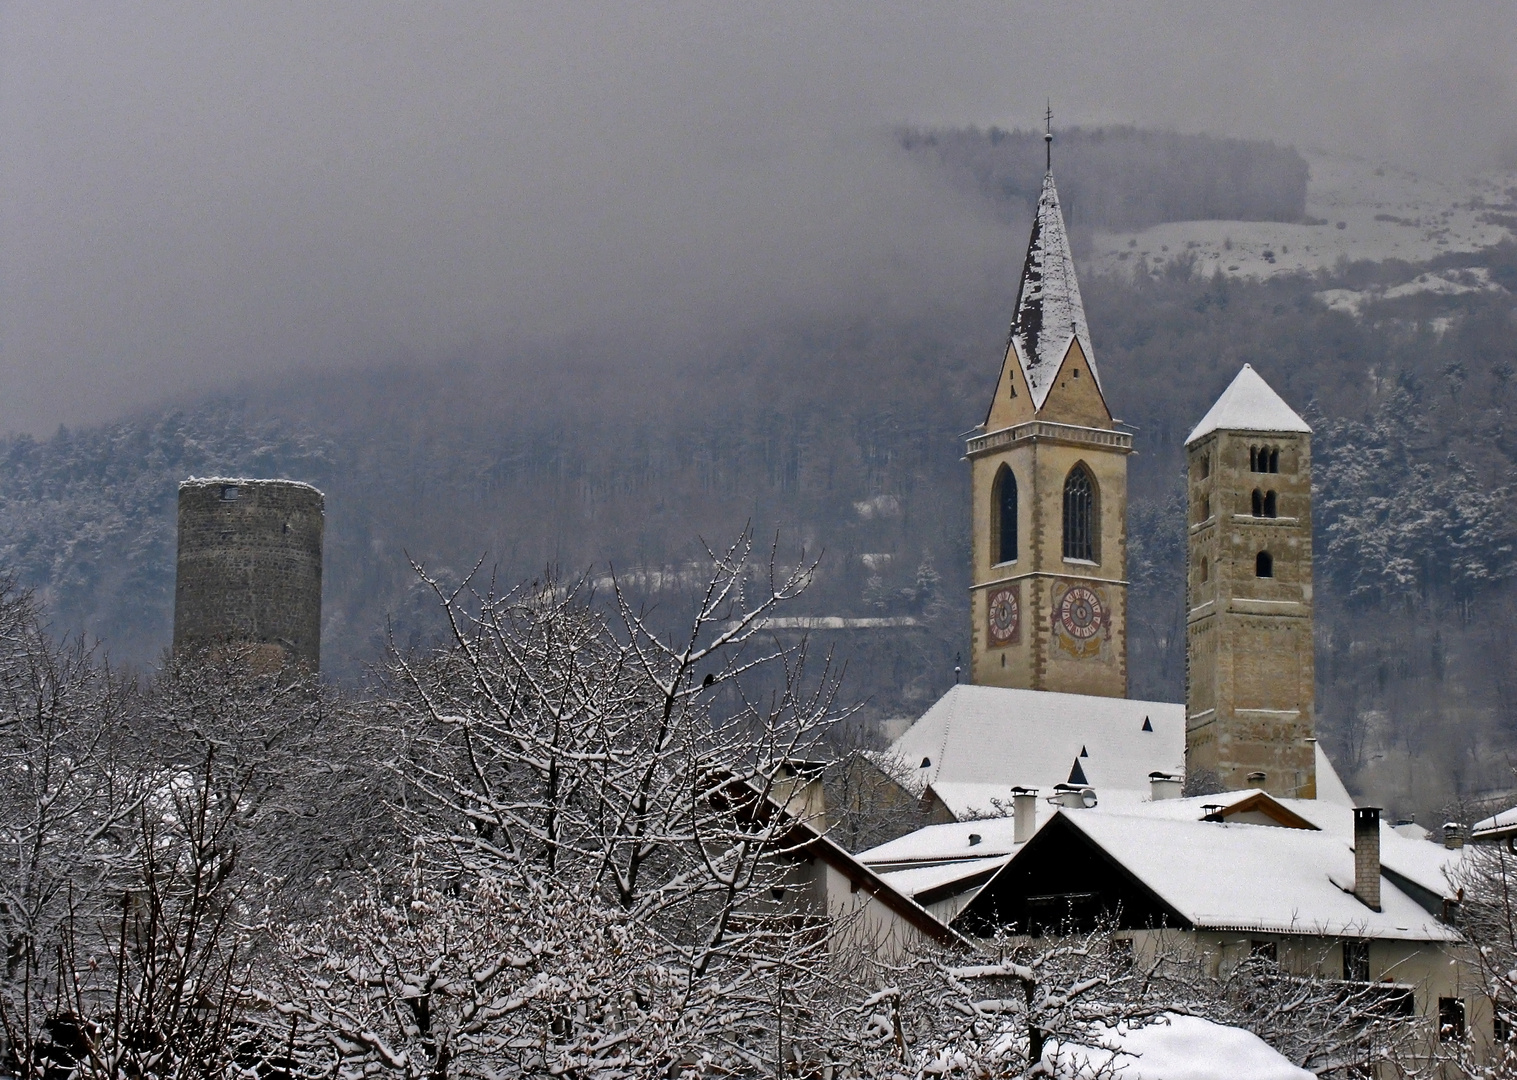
1005 615
1081 613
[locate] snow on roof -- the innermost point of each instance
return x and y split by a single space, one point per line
1330 787
997 738
943 843
1495 826
245 481
1049 310
1422 863
920 879
1177 1047
1258 878
1249 404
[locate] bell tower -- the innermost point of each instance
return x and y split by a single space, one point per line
1048 593
1248 662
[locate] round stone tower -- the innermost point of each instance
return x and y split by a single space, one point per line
249 568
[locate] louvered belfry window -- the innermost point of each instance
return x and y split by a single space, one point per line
1080 515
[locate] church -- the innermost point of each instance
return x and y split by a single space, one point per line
1054 799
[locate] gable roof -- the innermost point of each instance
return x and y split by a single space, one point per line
1236 877
1049 311
1249 404
983 740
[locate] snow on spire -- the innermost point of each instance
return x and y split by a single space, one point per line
1249 404
1049 311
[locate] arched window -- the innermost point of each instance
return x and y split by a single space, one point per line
1004 496
1205 466
1253 459
1205 570
1258 503
1264 565
1080 514
1274 461
1269 504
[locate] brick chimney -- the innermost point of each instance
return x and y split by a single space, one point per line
1367 855
1024 808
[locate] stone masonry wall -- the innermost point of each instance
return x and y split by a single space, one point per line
249 566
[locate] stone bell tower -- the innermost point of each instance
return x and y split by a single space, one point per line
1048 598
1249 667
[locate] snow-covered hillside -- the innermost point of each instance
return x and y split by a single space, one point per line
1360 210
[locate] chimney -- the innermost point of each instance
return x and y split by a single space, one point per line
1024 808
1453 835
1367 855
1074 796
1162 786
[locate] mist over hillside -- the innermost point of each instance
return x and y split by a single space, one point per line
841 437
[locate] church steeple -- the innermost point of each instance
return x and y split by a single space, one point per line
1049 593
1050 314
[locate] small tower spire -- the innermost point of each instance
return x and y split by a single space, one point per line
1048 138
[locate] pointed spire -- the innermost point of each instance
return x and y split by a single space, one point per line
1049 310
1249 404
1077 775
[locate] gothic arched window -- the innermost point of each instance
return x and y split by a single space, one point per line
1080 514
1264 565
1269 504
1258 503
1004 496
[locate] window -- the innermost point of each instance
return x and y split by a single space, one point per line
1274 461
1004 495
1253 459
229 492
1080 515
1258 503
1205 570
1262 459
1264 565
1356 961
1269 504
1203 508
1205 466
1450 1019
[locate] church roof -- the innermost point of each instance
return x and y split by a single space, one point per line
1249 404
980 741
1049 310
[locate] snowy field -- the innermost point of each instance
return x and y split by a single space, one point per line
1368 211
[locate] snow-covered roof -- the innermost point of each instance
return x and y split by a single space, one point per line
1049 311
1330 787
1496 826
996 738
245 481
1260 878
945 843
1249 404
922 879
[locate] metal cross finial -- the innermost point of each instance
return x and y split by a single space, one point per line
1048 137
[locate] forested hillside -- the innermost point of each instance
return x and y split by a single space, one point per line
843 439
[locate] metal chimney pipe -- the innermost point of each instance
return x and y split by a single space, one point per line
1024 808
1367 855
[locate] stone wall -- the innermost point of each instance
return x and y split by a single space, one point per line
1249 662
249 567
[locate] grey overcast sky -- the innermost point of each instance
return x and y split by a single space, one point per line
196 193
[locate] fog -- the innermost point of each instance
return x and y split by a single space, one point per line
192 195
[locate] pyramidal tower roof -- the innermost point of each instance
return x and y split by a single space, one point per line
1249 404
1049 310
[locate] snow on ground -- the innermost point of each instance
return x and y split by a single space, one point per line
1449 282
1369 211
1178 1048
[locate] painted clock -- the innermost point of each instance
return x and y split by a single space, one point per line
1005 616
1081 613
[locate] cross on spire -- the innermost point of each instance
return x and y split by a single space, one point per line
1048 138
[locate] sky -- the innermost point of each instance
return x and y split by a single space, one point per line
194 195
